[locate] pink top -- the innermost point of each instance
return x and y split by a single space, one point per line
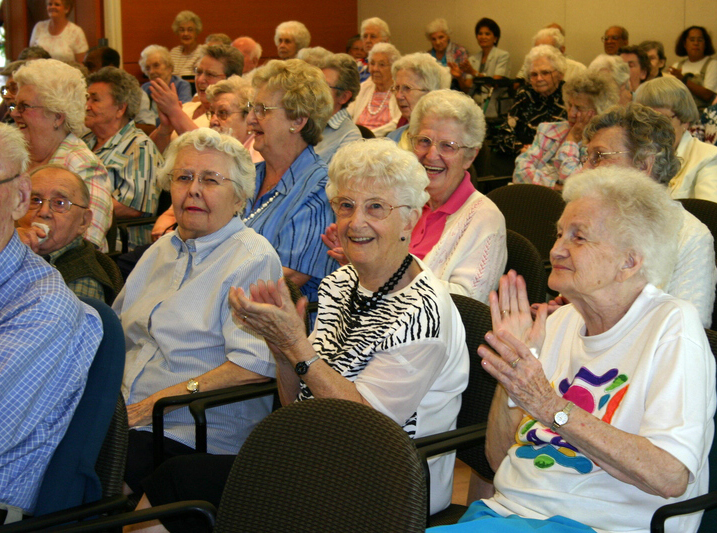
249 145
430 226
379 105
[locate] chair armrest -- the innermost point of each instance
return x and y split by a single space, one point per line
199 406
705 502
124 223
100 507
175 401
197 507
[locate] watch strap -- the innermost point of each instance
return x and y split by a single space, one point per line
566 412
302 367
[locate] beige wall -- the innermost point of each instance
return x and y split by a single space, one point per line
584 21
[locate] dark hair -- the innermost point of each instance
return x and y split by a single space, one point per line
231 58
351 42
491 24
641 56
33 52
654 45
680 49
109 56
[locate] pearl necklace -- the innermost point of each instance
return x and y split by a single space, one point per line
380 107
258 211
361 303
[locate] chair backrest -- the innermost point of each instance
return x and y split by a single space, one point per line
478 395
71 478
706 212
709 519
325 465
532 211
111 461
365 132
525 259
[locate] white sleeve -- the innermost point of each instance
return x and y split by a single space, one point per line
395 381
78 42
34 37
502 65
710 80
706 181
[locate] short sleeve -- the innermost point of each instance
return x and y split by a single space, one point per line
710 80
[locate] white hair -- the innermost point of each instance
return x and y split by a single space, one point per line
453 105
379 164
380 24
613 65
551 33
388 49
316 55
295 30
235 85
550 53
644 218
62 89
151 50
241 169
433 75
14 157
436 26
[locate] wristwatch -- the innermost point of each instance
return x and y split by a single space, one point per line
561 417
192 386
302 367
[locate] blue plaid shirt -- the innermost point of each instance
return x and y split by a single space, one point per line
48 340
293 215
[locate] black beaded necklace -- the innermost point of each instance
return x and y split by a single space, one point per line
361 303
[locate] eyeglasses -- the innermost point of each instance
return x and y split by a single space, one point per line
261 109
208 73
540 73
405 89
610 38
56 204
21 107
223 114
373 209
10 88
7 180
183 177
380 64
596 157
422 145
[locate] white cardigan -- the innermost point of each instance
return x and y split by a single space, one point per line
362 100
471 254
697 177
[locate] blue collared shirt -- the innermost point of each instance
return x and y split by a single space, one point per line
48 340
293 215
178 325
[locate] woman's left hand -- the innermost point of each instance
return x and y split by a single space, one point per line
165 96
270 312
331 240
510 311
140 413
676 72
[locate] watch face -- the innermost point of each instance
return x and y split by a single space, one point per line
301 368
193 386
561 418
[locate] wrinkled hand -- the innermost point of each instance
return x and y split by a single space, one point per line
676 72
510 311
270 312
466 67
455 69
576 131
553 305
31 237
165 96
511 363
140 413
163 224
331 240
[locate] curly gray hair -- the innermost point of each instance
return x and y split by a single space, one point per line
433 75
124 88
296 30
597 86
184 17
151 50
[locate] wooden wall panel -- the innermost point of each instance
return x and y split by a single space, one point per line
330 22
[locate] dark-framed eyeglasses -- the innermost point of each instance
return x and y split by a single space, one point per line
422 144
183 177
8 180
374 209
58 204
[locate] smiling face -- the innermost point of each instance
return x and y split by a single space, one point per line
695 44
187 33
271 134
444 172
286 49
235 122
209 71
102 113
613 41
157 68
380 69
440 40
486 38
410 90
56 9
64 227
585 259
543 77
36 124
201 210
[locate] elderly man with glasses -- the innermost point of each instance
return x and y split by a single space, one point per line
48 342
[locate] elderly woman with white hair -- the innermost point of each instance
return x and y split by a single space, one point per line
615 414
373 31
290 37
156 63
616 67
174 307
374 107
539 101
697 177
442 48
460 234
555 152
359 350
414 76
187 25
50 112
228 111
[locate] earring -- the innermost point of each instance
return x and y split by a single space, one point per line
403 238
292 129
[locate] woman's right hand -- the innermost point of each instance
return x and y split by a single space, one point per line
165 96
467 68
510 311
455 69
331 240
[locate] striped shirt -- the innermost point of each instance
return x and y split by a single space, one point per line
74 155
177 323
132 161
293 215
48 340
184 64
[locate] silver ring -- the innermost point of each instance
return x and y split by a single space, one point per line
244 317
504 312
514 362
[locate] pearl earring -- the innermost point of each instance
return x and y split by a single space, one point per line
292 129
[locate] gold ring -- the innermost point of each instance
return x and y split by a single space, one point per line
515 362
503 312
